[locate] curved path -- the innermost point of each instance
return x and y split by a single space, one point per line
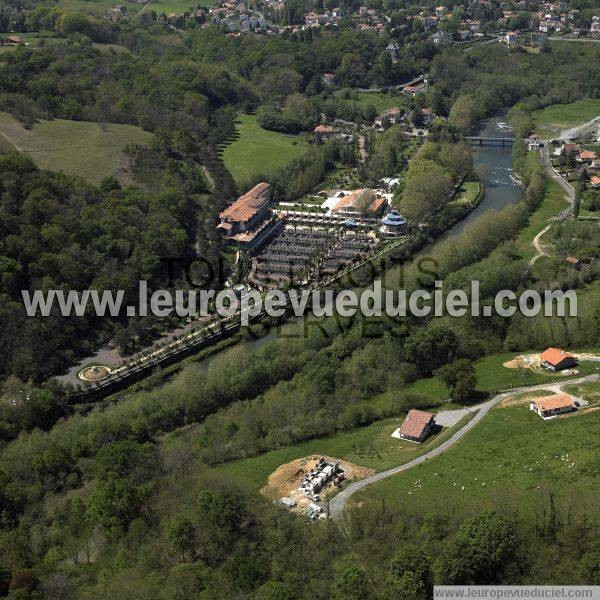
338 503
570 192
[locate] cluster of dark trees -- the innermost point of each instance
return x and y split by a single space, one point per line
432 174
63 233
493 77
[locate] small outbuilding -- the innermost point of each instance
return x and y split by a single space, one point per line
555 359
551 406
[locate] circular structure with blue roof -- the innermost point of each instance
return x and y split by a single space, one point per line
393 223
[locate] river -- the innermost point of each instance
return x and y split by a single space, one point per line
494 165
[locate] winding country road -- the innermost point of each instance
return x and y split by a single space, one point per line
338 503
564 184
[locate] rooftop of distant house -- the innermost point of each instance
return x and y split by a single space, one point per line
555 402
554 356
415 423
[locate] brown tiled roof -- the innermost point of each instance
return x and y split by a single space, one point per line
554 402
595 180
376 205
554 356
392 112
588 155
246 206
415 423
324 129
353 198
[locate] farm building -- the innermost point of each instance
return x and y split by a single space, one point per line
555 359
551 406
417 425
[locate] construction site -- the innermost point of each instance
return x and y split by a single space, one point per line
305 484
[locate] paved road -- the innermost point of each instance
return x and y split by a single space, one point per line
338 503
564 184
579 130
567 134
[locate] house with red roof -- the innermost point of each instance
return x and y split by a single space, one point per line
555 359
417 426
551 406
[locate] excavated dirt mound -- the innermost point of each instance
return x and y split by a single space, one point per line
285 480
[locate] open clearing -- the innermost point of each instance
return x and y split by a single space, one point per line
590 392
284 481
257 151
99 7
371 447
511 459
75 147
550 120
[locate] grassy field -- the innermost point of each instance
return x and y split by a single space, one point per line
373 446
370 446
468 193
75 147
257 151
587 391
99 7
554 201
491 377
553 118
512 459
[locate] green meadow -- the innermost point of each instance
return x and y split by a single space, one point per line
75 147
555 200
256 151
512 459
371 446
99 7
553 118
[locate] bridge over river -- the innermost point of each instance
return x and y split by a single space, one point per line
483 140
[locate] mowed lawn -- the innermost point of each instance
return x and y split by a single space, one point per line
512 459
257 151
75 147
560 116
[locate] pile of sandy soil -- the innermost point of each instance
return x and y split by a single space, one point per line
285 480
